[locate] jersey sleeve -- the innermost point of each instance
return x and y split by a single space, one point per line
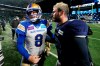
49 28
50 37
44 21
20 46
21 28
78 27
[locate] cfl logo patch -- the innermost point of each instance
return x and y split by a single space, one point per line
60 32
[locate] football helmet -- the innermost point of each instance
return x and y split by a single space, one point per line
34 7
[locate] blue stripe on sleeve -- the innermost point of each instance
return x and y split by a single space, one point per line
20 46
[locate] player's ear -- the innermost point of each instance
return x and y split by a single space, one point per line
60 11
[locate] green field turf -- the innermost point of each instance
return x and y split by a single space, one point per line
94 43
12 57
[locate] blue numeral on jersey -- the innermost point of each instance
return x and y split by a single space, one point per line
38 40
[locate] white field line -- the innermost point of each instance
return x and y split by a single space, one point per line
97 25
53 54
94 38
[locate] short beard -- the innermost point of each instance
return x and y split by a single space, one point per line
57 20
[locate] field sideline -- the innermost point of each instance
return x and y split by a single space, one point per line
12 57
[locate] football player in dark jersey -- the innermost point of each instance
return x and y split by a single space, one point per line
69 38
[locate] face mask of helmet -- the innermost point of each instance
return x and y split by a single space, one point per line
35 17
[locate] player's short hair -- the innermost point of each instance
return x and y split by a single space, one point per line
62 6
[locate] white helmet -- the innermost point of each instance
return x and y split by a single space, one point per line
34 7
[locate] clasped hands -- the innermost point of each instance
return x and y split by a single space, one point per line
34 59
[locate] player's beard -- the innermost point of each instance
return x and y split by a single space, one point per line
57 19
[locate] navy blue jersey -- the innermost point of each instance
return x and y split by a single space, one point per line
71 29
44 21
65 37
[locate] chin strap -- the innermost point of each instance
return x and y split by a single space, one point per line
33 20
37 21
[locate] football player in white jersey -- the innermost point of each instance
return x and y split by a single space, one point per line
31 37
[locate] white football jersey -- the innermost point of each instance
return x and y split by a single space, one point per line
35 39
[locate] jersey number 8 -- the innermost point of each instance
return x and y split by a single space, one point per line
38 40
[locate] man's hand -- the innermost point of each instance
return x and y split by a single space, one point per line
34 59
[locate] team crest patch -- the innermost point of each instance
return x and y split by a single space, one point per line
60 32
30 27
21 27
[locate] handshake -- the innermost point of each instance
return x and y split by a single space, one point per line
34 59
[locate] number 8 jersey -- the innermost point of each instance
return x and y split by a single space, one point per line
35 36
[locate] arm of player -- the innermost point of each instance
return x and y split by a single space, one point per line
81 43
50 37
23 51
20 46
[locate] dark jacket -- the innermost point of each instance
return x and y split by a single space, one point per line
14 23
